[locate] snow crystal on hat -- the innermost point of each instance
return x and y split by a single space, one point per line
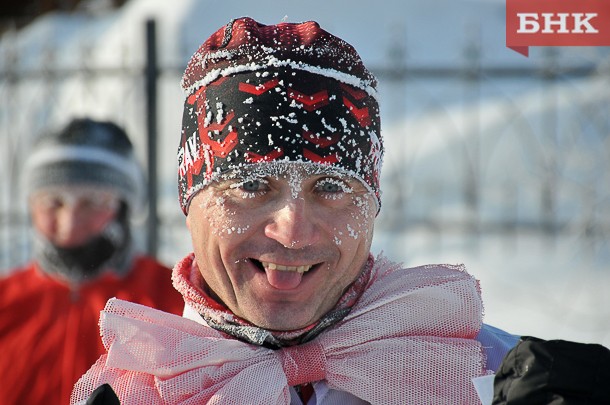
286 92
246 45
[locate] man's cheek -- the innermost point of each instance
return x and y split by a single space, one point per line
226 223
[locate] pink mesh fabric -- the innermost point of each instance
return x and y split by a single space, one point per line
304 363
408 340
187 279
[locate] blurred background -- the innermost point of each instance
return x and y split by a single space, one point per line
494 160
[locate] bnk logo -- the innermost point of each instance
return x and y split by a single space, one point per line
562 23
557 23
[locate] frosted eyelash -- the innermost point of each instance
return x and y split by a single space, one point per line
345 188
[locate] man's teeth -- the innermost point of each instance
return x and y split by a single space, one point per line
273 266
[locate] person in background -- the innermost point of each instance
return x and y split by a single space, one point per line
278 170
83 184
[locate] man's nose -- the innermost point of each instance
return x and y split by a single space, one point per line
293 225
69 226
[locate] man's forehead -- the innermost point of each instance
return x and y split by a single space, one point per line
298 170
77 190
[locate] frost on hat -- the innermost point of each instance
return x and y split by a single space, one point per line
85 152
270 93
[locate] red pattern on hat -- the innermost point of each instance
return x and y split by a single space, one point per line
260 89
361 114
245 42
309 102
323 142
289 91
252 157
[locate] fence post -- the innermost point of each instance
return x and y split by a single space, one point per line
151 73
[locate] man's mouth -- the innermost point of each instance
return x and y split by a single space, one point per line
279 267
283 277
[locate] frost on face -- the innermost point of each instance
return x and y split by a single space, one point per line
221 224
238 230
362 211
351 231
328 184
364 216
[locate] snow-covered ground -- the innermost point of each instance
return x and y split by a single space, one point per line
532 283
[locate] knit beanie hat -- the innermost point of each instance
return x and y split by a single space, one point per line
86 152
290 92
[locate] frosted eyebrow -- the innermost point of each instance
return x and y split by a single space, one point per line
294 171
282 168
240 182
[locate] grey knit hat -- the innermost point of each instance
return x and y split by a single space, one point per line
86 152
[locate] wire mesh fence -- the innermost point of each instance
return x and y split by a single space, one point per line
470 150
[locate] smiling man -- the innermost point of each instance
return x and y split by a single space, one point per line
281 242
278 171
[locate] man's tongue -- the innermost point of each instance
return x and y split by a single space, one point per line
283 280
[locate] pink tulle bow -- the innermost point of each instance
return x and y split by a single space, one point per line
409 339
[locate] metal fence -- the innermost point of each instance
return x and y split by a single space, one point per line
553 118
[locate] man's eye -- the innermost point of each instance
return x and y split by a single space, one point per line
252 186
331 186
51 202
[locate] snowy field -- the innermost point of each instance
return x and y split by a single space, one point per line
530 284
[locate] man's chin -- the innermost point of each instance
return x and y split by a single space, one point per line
283 320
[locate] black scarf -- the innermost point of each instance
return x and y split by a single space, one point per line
111 250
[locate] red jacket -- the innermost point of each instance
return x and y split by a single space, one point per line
49 333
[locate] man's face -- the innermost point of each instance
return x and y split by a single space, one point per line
70 216
279 244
